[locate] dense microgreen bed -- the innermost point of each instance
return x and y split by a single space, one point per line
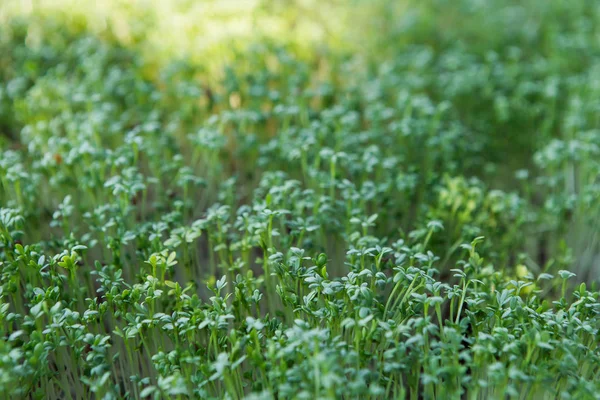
405 207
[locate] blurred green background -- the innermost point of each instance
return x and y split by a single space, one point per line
522 78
